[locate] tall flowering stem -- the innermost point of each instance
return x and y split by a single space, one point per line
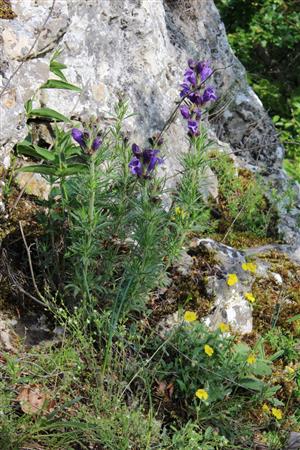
89 145
173 114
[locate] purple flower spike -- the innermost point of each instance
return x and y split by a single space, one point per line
192 63
204 70
185 89
154 161
193 127
198 113
195 98
78 136
209 95
148 154
185 112
190 77
135 167
136 150
96 143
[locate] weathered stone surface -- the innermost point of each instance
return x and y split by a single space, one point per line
230 305
135 49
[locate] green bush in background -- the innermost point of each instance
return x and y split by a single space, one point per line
265 37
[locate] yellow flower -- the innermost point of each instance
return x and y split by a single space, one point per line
202 394
190 316
251 267
208 350
251 359
277 413
290 370
232 279
265 408
180 212
250 297
224 327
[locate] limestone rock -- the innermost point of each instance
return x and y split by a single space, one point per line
230 305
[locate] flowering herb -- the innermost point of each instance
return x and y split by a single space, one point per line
202 394
85 141
232 279
251 359
224 327
277 413
250 297
208 350
194 77
144 161
190 316
265 408
250 267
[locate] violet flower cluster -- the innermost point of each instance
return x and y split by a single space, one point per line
144 161
194 78
85 141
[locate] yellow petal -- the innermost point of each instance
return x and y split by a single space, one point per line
208 350
251 359
277 413
251 267
250 297
265 408
232 279
224 327
190 316
201 394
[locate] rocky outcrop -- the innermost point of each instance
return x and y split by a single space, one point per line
135 50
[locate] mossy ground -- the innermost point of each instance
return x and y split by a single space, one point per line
6 11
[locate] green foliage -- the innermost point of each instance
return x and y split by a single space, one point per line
265 36
242 202
283 342
204 359
192 437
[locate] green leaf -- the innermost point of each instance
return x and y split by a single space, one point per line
60 84
252 383
261 368
73 169
28 106
49 114
39 168
59 74
294 318
26 148
56 68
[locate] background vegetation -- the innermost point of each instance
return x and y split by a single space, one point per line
265 37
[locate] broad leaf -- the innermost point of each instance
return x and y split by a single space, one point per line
251 384
25 148
261 368
49 114
60 84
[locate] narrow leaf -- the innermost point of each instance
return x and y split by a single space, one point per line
60 84
39 168
73 169
294 318
58 73
28 106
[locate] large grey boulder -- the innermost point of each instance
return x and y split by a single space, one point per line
134 49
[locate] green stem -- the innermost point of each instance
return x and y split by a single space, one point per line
90 230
